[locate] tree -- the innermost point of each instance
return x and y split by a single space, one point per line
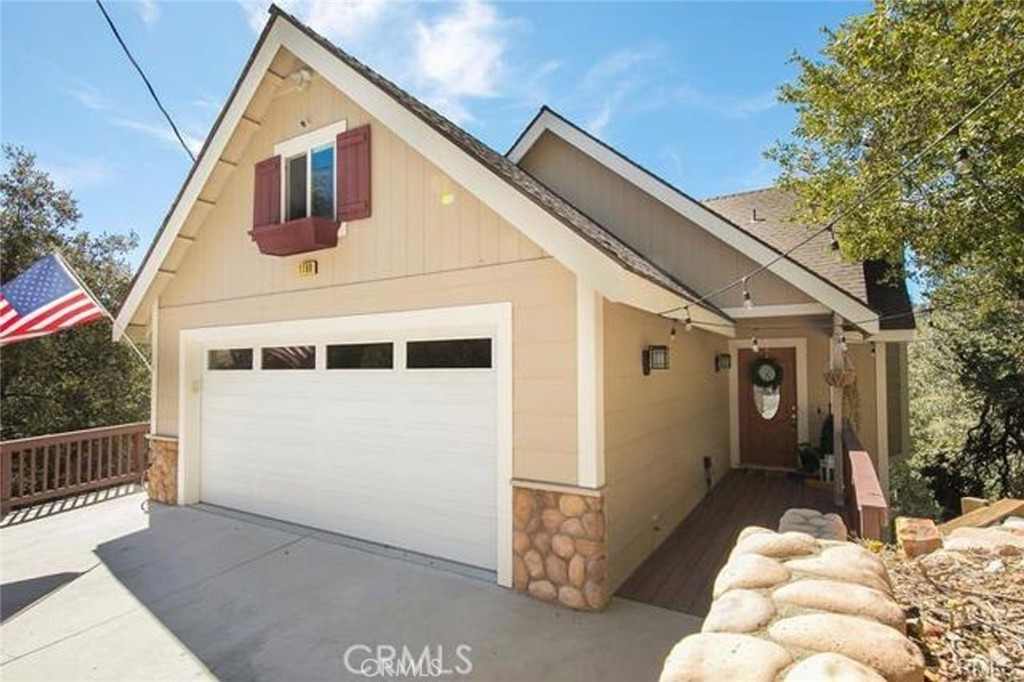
889 84
77 378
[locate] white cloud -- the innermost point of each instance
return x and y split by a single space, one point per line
609 82
149 12
163 133
460 54
79 174
89 96
336 20
729 107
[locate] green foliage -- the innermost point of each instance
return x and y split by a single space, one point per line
78 378
911 493
887 85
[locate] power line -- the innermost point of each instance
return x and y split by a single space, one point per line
149 86
868 194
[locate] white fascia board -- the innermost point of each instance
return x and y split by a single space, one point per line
790 310
218 141
893 335
836 299
585 260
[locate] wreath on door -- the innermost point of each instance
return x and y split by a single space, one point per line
766 373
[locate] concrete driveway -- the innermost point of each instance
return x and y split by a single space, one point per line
197 593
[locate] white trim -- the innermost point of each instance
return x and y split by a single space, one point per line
578 255
496 317
828 294
800 344
154 354
589 386
893 335
882 416
306 141
789 310
204 167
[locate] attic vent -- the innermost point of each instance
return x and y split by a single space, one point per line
754 218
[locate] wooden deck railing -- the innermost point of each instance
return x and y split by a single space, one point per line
865 499
57 465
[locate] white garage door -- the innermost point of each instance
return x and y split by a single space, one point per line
393 440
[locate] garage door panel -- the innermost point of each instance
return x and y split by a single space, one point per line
406 458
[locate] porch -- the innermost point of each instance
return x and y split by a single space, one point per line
681 572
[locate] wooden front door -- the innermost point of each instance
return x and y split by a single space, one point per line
768 437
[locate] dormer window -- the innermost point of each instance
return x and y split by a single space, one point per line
313 184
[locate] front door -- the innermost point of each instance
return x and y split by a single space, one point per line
767 413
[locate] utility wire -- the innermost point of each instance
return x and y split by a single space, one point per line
149 86
868 194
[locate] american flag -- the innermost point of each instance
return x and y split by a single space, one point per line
44 299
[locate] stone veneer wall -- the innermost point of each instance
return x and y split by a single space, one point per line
163 470
793 608
559 550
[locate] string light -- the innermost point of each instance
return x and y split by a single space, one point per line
872 347
754 345
843 346
748 302
833 243
672 334
688 325
962 163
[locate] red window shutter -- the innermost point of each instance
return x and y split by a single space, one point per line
353 152
266 195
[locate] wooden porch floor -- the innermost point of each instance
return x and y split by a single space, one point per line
681 572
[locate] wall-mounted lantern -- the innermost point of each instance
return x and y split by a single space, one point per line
723 362
655 357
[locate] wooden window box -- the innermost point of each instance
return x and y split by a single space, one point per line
296 236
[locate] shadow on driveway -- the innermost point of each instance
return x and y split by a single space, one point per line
258 600
15 596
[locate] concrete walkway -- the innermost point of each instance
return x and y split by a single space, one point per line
193 593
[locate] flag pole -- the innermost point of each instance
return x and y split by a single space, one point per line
88 292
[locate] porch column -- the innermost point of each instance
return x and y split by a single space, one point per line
835 396
589 386
882 415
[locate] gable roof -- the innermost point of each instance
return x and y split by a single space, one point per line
867 280
630 280
800 274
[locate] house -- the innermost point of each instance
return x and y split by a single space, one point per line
365 320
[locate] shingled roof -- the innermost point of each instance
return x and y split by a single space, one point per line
497 163
766 214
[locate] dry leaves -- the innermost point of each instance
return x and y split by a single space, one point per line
965 610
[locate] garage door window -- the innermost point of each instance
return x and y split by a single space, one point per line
229 358
449 354
289 357
361 356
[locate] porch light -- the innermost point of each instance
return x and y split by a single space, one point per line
748 302
654 357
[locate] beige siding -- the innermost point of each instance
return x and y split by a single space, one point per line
898 400
650 227
658 429
412 253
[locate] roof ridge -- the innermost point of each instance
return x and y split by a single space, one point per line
729 195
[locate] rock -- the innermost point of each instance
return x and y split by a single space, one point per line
709 657
520 574
532 525
534 563
522 507
595 503
563 546
917 536
749 571
573 527
996 540
571 597
556 569
520 542
841 597
777 545
816 524
543 589
894 656
590 548
597 570
593 525
595 595
831 668
552 520
836 569
548 499
739 611
752 530
542 541
572 505
577 570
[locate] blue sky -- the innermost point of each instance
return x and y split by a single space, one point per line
686 89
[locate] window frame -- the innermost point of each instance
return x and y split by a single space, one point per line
307 143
